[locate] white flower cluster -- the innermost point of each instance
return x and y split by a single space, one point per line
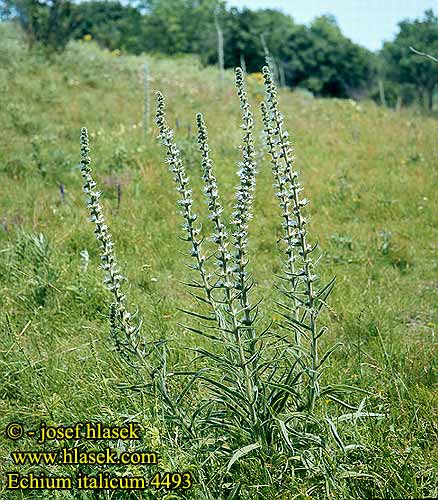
288 192
245 192
306 301
185 201
120 317
220 236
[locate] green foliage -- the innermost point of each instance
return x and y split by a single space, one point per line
111 24
316 57
319 58
243 36
33 260
334 65
45 22
181 27
405 67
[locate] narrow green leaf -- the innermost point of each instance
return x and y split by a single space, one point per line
335 434
340 402
196 315
342 388
241 453
215 357
200 332
285 434
325 291
283 387
329 352
231 393
356 415
189 385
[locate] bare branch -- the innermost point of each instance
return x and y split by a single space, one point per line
423 54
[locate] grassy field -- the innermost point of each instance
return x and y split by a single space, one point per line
371 175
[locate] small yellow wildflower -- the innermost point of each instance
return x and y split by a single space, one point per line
257 77
88 37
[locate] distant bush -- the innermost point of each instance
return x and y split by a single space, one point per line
45 22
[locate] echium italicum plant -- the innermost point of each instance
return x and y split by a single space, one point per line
230 317
125 333
264 389
146 357
255 389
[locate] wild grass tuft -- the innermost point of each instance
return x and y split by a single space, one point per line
146 98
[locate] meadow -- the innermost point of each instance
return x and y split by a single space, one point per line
371 176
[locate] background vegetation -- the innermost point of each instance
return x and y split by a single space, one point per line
371 175
317 57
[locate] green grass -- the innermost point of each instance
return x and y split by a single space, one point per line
371 175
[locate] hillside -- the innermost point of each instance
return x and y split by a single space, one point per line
371 176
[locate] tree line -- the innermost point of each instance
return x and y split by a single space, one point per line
317 57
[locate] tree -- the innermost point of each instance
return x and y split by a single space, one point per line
111 24
404 66
46 22
245 30
182 26
323 60
346 69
